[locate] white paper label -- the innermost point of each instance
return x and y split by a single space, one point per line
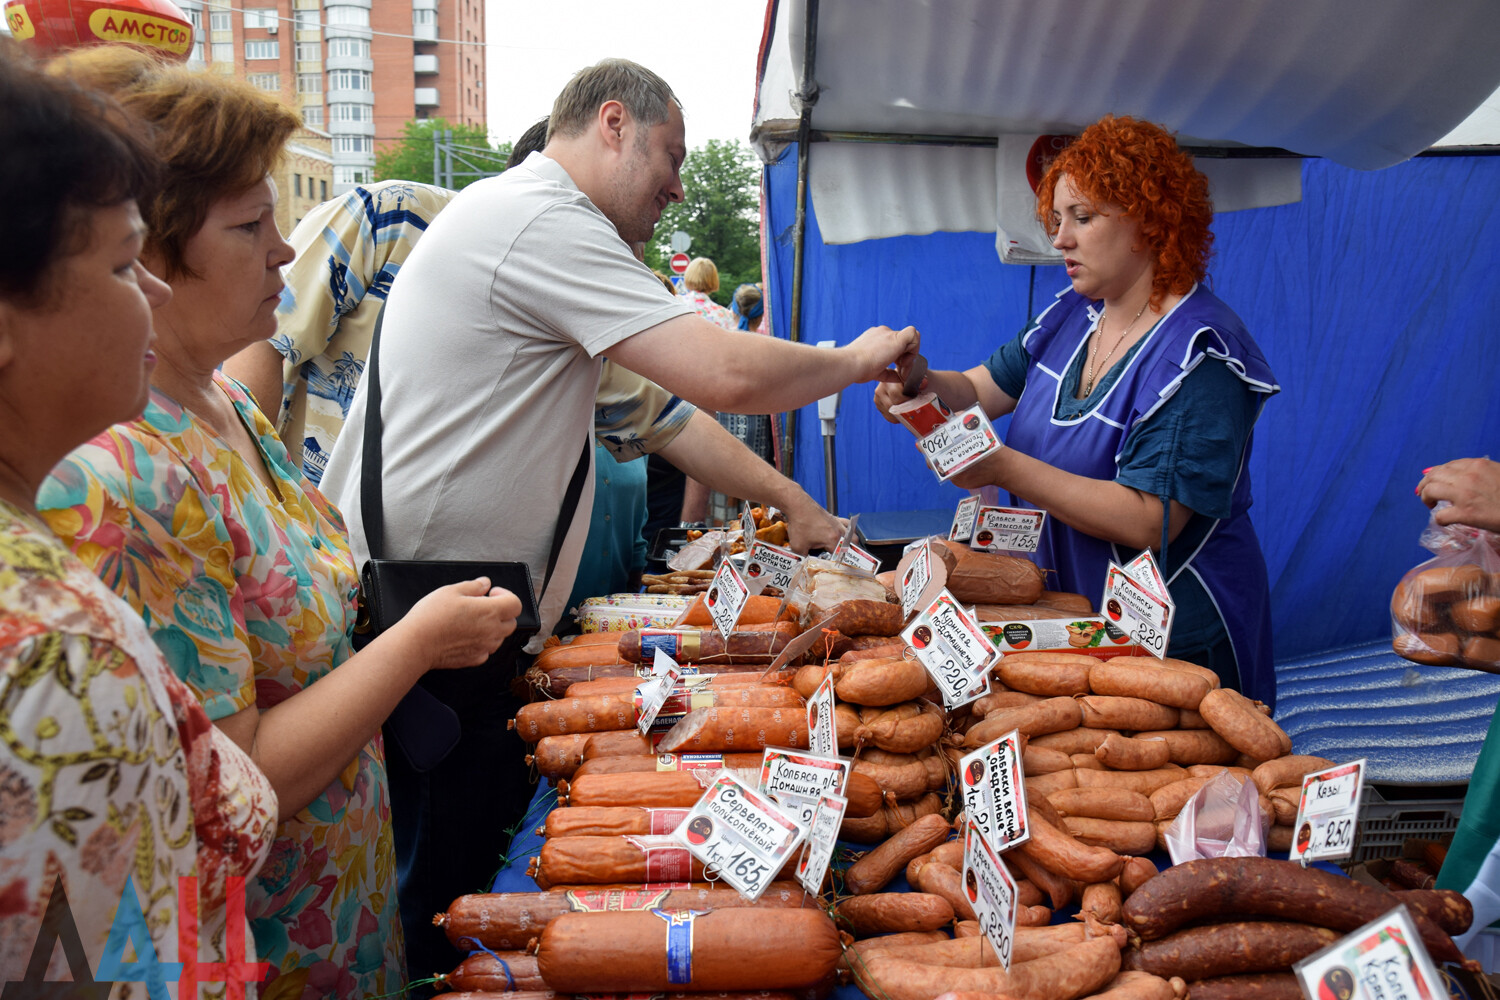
1136 611
665 673
828 816
747 524
1144 570
739 835
994 793
1008 529
991 891
796 780
959 443
1383 960
822 727
770 565
963 519
918 575
950 644
726 598
853 555
1328 813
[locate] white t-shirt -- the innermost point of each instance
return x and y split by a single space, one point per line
488 371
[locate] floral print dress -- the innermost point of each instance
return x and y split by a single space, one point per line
110 772
249 591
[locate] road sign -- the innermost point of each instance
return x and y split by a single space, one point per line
681 242
679 263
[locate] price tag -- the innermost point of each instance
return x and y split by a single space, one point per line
1383 960
1144 570
726 598
1008 529
918 575
1139 613
994 793
652 695
796 780
991 891
739 835
770 565
963 519
747 524
852 555
959 443
1328 813
953 648
822 730
827 816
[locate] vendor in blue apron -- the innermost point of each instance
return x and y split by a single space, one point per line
1132 398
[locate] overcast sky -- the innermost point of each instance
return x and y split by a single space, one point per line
705 49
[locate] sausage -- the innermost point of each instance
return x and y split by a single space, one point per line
1102 900
599 653
875 870
732 949
1034 942
1187 747
575 715
617 744
558 756
1131 714
1287 771
1279 838
1139 677
1135 874
1120 836
1255 986
554 682
1448 909
1103 803
1477 614
661 790
726 729
1002 699
1139 986
1168 800
810 676
611 821
705 682
864 617
1027 894
757 610
889 820
501 972
1235 717
691 645
1262 887
1087 760
608 860
988 613
1043 785
883 912
1078 971
888 681
990 578
903 728
937 770
1214 770
1437 649
1074 604
1144 782
1060 852
1189 719
1123 753
1285 802
1229 949
856 954
648 763
1081 740
1037 760
944 880
898 781
1050 715
846 723
1046 673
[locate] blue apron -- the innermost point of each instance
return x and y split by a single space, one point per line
1229 562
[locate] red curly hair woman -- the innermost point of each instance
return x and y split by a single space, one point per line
1132 399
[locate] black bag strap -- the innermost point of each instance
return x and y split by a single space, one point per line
372 495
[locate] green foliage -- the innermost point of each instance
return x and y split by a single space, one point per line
411 158
720 211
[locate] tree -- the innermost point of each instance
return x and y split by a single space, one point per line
720 210
411 159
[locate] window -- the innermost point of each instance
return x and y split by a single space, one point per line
351 112
307 20
353 144
197 54
265 81
219 20
358 48
312 114
323 190
351 175
260 17
263 50
420 17
195 17
309 83
344 14
223 52
309 51
349 79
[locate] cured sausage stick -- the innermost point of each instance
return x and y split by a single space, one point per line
1229 949
1063 975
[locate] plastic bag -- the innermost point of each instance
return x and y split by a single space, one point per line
1446 611
1222 820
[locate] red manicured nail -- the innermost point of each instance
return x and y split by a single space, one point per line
1427 470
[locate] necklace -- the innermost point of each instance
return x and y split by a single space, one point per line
1104 365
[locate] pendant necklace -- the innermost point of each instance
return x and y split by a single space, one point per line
1088 389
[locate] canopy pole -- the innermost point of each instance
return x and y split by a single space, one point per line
807 96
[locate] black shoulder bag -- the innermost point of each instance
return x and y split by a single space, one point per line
423 726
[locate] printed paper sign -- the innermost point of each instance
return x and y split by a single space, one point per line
853 555
1095 636
991 891
1139 613
918 574
822 728
959 443
747 524
1144 570
1328 813
653 694
795 780
726 598
1008 529
826 819
769 565
950 644
1383 960
994 794
963 519
739 835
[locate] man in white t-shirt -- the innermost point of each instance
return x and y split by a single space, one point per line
489 362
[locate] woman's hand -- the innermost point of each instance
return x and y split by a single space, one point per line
1471 486
461 624
888 393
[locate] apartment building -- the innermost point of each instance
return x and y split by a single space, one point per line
358 70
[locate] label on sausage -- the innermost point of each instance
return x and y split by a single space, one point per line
796 780
961 441
680 943
666 861
1328 813
827 816
991 891
949 643
963 519
770 565
689 762
652 695
682 646
915 580
1131 604
726 598
1093 636
822 728
664 821
610 900
994 792
1008 529
1383 960
740 835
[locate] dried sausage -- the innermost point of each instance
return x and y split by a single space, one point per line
610 821
593 714
1229 949
1124 753
883 912
1060 852
1135 677
1131 714
1046 673
558 756
1254 986
662 790
875 870
1120 836
1050 715
865 617
888 681
506 971
1235 717
1103 803
748 646
725 729
1187 747
610 860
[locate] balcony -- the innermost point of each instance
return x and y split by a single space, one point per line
427 97
424 32
426 64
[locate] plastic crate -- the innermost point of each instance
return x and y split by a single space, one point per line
1386 824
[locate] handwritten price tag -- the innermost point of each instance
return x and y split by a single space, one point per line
959 443
1008 529
1383 960
954 650
994 794
739 835
1328 813
918 575
1144 616
726 598
852 555
665 673
823 738
826 819
769 565
795 781
963 519
991 891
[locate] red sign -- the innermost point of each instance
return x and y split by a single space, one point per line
679 263
51 25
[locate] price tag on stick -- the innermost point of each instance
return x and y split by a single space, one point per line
769 565
1008 529
1383 960
994 793
726 598
665 673
915 580
954 650
991 891
1328 813
740 835
795 780
821 727
827 817
963 519
1141 614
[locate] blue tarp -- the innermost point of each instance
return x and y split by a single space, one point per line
1374 298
